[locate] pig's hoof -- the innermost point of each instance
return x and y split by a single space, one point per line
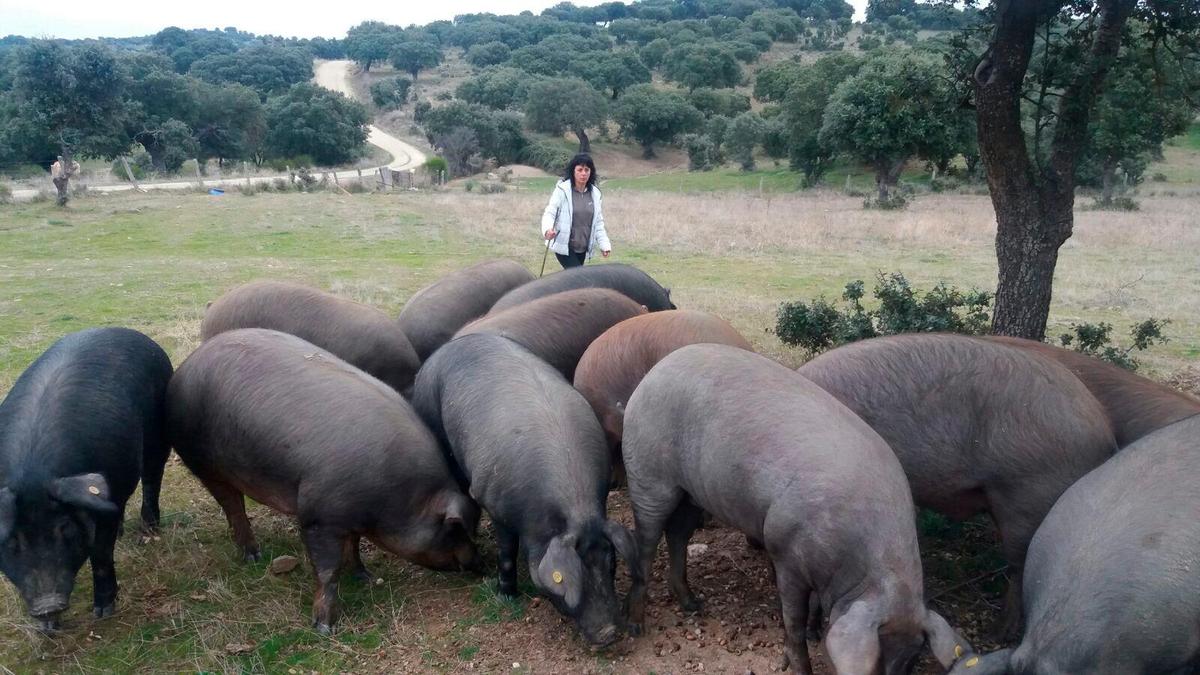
323 628
364 575
48 626
508 590
252 556
785 663
634 629
812 634
105 611
691 604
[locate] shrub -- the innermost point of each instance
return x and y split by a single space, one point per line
471 185
547 156
1115 204
6 194
1159 177
703 153
1094 340
248 189
820 325
390 93
22 171
490 188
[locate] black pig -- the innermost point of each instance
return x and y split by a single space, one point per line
534 456
78 429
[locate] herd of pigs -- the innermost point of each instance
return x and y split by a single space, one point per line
531 398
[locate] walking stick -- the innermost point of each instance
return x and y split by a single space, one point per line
544 256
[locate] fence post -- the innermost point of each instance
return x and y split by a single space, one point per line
199 176
129 173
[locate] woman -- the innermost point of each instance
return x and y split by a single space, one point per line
573 224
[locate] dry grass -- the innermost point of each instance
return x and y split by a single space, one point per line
152 261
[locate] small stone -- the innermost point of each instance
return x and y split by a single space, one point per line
697 549
284 564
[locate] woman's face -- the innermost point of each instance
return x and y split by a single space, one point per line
582 174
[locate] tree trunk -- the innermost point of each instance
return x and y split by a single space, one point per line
62 180
648 150
585 146
887 174
1109 177
1034 209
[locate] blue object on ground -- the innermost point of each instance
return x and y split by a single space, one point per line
216 191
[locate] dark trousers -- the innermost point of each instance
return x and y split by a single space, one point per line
571 259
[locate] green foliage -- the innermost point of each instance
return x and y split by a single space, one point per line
413 56
897 106
71 98
267 69
370 42
771 83
498 133
653 53
745 131
549 156
459 146
390 93
704 154
1095 340
650 116
612 71
230 122
488 54
724 102
498 87
560 104
820 325
435 164
702 64
806 94
184 48
315 121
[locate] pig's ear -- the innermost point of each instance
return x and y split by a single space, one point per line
86 490
947 645
852 641
623 541
996 663
8 513
560 571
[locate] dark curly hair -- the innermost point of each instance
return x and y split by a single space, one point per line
586 160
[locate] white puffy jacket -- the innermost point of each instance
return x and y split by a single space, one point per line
557 216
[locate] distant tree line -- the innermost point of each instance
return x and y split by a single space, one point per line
206 95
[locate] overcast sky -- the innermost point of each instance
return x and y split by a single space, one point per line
128 18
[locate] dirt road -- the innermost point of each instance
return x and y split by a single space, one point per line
335 75
329 74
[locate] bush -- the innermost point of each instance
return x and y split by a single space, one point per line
548 156
820 325
6 194
471 185
435 165
1159 178
22 171
390 93
703 153
1115 204
1094 340
490 188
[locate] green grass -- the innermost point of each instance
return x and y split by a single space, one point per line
151 262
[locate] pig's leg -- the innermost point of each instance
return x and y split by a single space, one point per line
680 526
234 505
104 573
507 544
155 451
651 509
1017 518
794 599
353 554
815 618
325 551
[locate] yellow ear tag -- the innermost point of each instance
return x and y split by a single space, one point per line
557 577
93 489
972 662
958 652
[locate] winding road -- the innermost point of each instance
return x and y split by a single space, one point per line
333 75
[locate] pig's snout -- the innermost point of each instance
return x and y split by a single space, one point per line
48 606
605 636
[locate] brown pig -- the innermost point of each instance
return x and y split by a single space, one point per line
559 328
261 413
432 314
614 364
360 335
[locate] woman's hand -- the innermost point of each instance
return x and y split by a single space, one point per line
550 234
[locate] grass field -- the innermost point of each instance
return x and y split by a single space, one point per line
151 262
